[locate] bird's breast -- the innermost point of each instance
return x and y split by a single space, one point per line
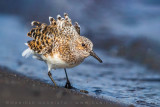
56 61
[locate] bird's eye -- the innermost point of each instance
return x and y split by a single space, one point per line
83 44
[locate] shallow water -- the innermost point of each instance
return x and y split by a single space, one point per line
115 79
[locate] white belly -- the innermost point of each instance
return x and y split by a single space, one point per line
55 62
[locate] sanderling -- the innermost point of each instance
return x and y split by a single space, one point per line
59 45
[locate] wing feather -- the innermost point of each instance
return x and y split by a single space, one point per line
45 36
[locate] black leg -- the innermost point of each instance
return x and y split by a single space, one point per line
50 75
68 84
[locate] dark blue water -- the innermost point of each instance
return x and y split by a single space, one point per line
115 79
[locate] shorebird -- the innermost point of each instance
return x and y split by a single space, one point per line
59 45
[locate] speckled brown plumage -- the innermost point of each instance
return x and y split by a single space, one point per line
43 40
47 38
58 44
60 39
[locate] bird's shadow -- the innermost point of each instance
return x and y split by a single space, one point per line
69 86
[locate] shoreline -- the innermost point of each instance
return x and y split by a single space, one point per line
18 90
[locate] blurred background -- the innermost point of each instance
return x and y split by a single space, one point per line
125 34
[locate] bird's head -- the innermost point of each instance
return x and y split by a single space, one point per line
85 48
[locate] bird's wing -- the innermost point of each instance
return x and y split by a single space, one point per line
77 27
65 27
44 36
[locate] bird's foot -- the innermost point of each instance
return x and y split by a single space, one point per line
68 85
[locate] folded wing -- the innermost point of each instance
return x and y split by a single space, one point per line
45 36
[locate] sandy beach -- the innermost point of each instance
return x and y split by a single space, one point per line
17 90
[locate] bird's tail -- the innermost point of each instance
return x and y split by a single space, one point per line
26 53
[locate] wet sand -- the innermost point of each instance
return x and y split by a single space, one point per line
17 90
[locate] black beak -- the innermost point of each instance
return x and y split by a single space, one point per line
95 56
